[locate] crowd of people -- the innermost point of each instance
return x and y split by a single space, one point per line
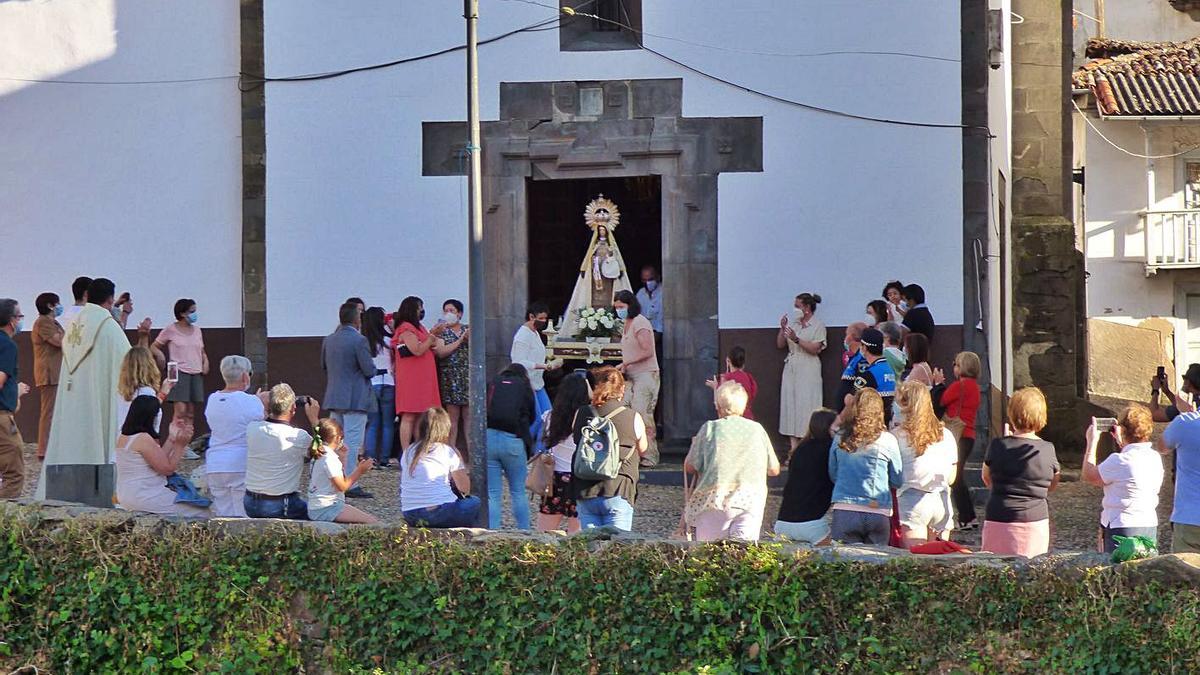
883 465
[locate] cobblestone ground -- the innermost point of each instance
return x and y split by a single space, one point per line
1074 506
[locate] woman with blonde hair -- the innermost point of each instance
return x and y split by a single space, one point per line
435 484
1131 477
139 376
1021 470
864 465
930 458
732 457
328 483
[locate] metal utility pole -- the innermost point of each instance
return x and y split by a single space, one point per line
477 434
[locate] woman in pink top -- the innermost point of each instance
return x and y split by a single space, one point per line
416 368
639 365
184 344
735 370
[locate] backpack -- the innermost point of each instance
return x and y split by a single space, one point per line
598 455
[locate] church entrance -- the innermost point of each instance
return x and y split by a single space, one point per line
558 237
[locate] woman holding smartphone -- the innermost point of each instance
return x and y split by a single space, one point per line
184 343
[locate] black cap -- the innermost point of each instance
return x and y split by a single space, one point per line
872 339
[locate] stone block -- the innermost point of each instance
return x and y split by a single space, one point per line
442 145
657 98
527 100
1123 358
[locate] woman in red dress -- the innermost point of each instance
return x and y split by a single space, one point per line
416 367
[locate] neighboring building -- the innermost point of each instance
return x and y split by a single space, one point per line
1137 158
273 203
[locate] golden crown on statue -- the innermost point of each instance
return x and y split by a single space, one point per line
601 211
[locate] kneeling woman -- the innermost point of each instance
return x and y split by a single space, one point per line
143 465
328 484
864 464
431 473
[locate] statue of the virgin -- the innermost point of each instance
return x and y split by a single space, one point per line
603 271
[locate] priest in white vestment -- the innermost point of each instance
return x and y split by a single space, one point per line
93 347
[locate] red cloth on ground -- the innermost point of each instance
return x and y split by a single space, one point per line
939 547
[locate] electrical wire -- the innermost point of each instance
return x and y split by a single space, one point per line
121 82
575 12
1128 152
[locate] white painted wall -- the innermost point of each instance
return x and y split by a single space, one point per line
140 183
840 207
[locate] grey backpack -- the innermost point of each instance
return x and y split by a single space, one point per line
598 455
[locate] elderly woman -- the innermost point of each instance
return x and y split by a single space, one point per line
1021 470
1130 477
228 412
732 457
143 465
865 465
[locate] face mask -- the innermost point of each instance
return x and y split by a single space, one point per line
193 318
58 311
20 326
421 316
450 318
651 285
116 313
897 415
845 346
541 325
903 306
622 313
797 313
870 320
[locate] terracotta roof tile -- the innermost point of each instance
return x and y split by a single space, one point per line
1142 78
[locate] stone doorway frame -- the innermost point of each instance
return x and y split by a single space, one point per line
631 128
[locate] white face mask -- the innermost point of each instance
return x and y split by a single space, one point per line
450 317
797 313
870 320
897 415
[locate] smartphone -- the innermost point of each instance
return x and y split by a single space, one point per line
172 371
301 402
1105 423
1161 373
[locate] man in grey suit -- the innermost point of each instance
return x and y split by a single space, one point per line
348 367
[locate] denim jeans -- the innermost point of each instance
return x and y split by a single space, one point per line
857 527
601 511
354 427
381 424
541 404
460 513
291 506
506 454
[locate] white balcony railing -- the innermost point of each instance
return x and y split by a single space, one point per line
1172 239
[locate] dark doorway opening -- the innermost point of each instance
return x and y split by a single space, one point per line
558 237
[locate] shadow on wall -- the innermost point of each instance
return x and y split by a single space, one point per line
1123 358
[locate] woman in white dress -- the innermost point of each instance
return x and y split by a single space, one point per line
804 337
143 465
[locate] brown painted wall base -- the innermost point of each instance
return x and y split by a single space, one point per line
765 362
296 360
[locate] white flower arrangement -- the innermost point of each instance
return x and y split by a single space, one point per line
597 323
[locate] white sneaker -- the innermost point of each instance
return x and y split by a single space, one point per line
190 454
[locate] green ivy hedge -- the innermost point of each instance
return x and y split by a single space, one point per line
81 598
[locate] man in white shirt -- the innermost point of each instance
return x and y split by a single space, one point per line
529 351
275 456
650 298
79 292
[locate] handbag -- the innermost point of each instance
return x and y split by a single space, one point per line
540 478
683 531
